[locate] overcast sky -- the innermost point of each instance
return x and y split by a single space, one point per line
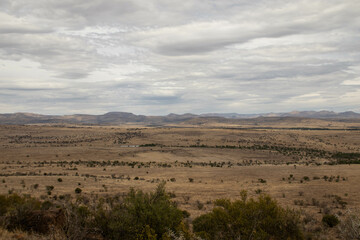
155 57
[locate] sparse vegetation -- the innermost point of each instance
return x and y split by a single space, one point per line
199 164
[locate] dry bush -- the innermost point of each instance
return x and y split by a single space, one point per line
350 225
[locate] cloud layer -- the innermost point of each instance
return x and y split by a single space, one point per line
157 57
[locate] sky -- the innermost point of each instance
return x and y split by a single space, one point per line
156 57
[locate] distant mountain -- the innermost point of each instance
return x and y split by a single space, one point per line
230 115
303 114
118 118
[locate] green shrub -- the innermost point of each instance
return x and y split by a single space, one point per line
248 219
18 212
139 213
9 203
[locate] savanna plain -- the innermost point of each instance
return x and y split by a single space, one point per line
311 167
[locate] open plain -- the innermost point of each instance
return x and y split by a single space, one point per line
313 169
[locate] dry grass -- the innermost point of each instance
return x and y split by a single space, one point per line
19 235
41 155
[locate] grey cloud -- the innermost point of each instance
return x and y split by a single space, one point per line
166 99
71 58
25 89
5 30
209 36
152 57
73 75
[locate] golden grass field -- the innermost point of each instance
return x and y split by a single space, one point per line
200 164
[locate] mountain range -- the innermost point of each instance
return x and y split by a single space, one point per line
118 118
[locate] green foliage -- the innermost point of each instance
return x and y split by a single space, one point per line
150 216
147 234
17 211
9 203
330 220
127 219
248 219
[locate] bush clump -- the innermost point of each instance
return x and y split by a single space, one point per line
140 213
248 219
25 213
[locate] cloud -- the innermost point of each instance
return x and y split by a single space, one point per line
352 82
11 24
158 56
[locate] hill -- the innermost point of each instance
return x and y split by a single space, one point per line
121 118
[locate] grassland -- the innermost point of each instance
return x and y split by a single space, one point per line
313 169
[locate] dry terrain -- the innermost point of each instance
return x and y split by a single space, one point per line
307 169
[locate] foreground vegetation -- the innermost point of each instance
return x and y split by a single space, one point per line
139 215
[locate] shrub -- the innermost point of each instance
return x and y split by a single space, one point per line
262 180
25 213
139 213
59 180
199 205
78 190
330 220
248 219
